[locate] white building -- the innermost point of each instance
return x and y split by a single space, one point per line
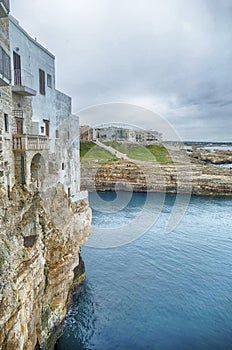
41 138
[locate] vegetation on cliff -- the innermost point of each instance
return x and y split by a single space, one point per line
90 151
155 153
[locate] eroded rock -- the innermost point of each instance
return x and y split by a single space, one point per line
40 241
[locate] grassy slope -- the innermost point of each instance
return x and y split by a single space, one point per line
147 153
160 153
90 151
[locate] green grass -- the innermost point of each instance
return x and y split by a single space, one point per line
139 152
133 151
155 153
118 146
161 154
85 147
90 151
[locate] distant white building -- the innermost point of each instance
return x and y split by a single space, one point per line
110 133
113 133
144 136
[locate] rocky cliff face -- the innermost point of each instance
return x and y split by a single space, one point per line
197 179
40 264
213 156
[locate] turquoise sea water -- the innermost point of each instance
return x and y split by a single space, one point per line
225 165
162 291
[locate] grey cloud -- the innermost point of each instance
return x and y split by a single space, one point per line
176 52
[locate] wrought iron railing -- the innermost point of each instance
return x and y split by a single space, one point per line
5 64
17 113
30 142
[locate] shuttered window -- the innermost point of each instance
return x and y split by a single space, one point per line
17 69
19 126
41 82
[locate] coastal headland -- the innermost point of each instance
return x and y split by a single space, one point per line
198 175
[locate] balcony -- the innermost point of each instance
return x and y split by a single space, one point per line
23 82
5 73
30 143
4 8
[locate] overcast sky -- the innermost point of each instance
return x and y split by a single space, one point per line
171 56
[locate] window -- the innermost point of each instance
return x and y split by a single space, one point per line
6 122
57 134
41 82
49 80
69 191
42 129
47 129
62 166
19 126
17 69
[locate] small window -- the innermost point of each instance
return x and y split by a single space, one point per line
49 80
47 127
62 166
42 129
68 135
69 191
41 82
6 122
57 133
19 126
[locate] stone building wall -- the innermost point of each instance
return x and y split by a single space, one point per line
4 34
53 106
1 157
6 153
34 57
22 105
63 107
7 145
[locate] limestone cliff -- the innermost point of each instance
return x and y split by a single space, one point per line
212 156
198 179
40 240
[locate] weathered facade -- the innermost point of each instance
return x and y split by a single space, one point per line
44 219
6 147
40 133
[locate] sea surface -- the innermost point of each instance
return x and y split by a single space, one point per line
219 148
163 291
229 165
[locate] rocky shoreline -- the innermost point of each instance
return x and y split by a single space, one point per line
194 178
